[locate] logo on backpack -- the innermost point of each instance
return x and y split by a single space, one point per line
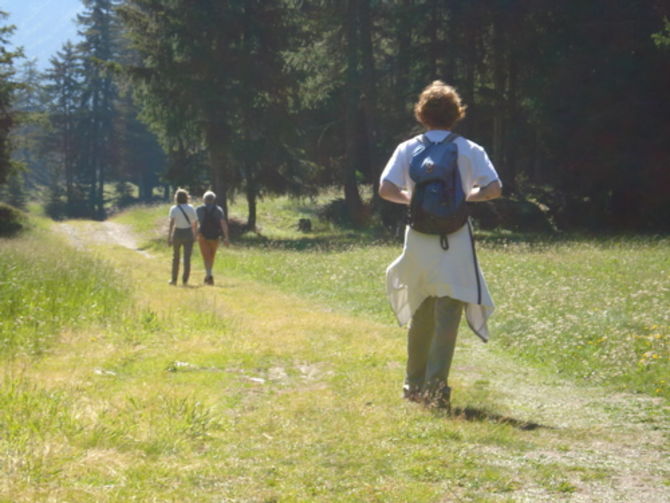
438 203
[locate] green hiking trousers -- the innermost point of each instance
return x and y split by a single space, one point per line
430 343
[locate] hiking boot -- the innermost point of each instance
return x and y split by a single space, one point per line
172 282
440 399
411 393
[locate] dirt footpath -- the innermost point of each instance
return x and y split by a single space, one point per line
83 233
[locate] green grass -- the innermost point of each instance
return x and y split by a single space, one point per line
586 307
46 287
591 308
281 384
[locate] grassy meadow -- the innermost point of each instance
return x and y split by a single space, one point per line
46 290
595 309
282 382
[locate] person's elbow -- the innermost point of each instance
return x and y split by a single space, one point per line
381 191
495 190
387 190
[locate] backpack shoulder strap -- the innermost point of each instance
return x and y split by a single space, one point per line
184 213
423 139
449 138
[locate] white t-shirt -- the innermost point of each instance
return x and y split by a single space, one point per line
473 163
179 218
425 269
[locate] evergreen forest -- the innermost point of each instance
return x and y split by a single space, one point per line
288 97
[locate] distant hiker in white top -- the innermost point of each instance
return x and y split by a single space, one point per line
181 233
437 276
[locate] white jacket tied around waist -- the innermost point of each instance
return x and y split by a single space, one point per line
425 269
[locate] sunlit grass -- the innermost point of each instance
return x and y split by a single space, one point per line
45 286
587 307
192 398
282 382
590 308
593 309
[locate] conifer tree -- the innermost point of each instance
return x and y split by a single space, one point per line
64 88
7 89
213 76
98 48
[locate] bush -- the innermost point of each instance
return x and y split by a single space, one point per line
512 214
12 221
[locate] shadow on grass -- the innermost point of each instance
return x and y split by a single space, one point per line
480 415
335 241
340 239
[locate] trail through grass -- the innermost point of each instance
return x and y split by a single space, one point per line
275 386
592 309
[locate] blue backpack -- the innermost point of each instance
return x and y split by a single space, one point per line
210 226
438 203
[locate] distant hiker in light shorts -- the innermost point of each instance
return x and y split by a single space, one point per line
212 225
437 277
181 234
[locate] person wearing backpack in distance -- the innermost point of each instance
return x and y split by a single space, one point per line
213 224
437 276
181 233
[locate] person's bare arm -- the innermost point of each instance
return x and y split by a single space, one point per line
391 192
170 231
224 229
491 191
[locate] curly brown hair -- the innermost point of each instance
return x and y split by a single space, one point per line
181 196
439 106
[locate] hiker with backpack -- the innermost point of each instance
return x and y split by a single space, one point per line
181 234
213 225
437 276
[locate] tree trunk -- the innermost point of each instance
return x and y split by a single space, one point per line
252 195
215 134
100 198
369 105
404 37
499 99
452 43
470 62
433 51
512 138
352 198
68 161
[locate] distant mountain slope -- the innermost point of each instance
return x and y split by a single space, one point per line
42 26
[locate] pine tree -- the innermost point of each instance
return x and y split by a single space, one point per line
64 88
7 89
99 29
213 75
29 105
